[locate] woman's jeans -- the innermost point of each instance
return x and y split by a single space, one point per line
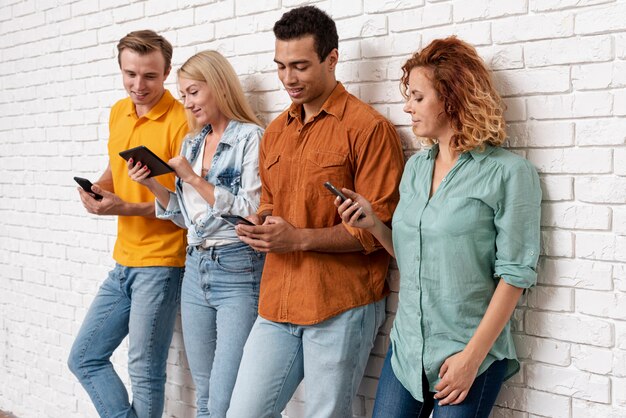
141 302
394 401
219 304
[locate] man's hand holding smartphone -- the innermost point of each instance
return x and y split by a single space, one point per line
86 186
97 200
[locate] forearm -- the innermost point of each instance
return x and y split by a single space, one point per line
160 192
335 239
136 209
383 234
498 313
106 180
205 189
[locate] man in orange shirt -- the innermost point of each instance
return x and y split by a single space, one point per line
140 297
323 288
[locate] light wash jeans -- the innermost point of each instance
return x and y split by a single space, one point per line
330 356
140 302
219 305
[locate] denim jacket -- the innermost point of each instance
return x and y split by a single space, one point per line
234 173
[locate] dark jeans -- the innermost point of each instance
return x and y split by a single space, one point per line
394 401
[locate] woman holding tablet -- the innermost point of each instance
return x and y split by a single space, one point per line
466 238
217 174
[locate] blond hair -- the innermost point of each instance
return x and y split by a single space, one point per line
213 69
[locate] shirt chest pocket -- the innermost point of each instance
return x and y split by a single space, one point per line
272 173
322 166
229 179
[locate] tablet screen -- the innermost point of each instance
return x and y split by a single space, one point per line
142 154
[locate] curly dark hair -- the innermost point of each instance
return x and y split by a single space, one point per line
309 20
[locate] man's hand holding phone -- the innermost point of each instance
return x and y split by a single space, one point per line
108 204
86 186
275 235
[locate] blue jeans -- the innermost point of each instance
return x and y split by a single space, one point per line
140 302
219 305
394 401
330 356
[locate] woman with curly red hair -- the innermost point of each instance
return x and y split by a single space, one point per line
466 239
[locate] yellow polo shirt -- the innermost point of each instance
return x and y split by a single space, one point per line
141 241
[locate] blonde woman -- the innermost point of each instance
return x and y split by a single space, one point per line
217 174
466 238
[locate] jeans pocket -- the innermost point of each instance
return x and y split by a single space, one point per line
237 263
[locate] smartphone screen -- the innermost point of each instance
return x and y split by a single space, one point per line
86 185
236 220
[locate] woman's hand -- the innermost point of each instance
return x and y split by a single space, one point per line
183 169
355 206
457 375
139 173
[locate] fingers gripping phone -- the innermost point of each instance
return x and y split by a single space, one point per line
338 192
235 220
86 185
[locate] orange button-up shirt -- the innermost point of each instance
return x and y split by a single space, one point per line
351 145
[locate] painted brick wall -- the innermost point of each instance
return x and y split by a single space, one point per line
561 65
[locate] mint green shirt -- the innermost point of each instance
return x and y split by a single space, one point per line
480 226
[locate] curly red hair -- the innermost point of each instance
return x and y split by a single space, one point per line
463 82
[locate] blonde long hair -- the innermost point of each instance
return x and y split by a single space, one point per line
213 68
463 82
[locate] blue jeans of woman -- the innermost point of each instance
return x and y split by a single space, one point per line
394 401
219 305
141 302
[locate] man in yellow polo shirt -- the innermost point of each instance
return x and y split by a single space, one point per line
140 296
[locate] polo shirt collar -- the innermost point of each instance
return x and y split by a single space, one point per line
334 105
158 110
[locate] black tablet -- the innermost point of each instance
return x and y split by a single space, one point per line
142 154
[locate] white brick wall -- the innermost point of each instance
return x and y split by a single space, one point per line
561 65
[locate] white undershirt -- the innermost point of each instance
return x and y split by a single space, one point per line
195 204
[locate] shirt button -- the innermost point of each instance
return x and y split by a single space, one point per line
443 179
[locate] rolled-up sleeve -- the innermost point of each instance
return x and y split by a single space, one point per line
377 177
517 226
172 212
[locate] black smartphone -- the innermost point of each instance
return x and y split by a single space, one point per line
86 185
235 220
343 197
